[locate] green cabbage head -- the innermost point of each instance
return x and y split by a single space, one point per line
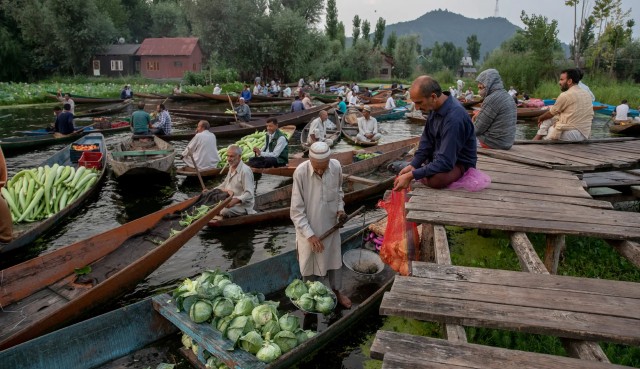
296 289
269 351
286 341
303 335
201 311
244 306
317 289
232 291
251 342
239 326
272 327
222 307
289 322
261 314
324 304
306 302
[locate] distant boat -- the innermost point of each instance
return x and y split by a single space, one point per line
142 156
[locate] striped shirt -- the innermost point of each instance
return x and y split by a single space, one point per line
573 110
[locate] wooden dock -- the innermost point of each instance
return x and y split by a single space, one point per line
523 197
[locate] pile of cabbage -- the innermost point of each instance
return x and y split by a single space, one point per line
312 297
245 318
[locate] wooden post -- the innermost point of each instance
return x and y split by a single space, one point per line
555 247
426 243
628 249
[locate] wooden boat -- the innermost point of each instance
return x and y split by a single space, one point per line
191 172
94 128
274 205
219 97
26 233
325 98
416 119
263 98
151 96
332 134
390 114
243 129
122 333
379 98
50 293
85 99
218 118
139 156
524 113
349 131
186 97
470 104
627 129
15 145
105 110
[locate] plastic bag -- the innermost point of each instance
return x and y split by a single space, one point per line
473 180
533 103
401 241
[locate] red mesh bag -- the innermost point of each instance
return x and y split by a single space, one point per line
401 240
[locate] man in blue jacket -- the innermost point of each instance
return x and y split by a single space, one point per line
448 144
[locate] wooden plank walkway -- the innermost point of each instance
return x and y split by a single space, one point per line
522 198
601 310
573 156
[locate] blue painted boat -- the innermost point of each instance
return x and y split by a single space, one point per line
86 129
393 114
26 233
125 333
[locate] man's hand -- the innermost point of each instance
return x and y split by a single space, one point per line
407 169
402 181
342 216
256 150
316 244
233 203
368 135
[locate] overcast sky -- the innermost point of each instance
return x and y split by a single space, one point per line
394 11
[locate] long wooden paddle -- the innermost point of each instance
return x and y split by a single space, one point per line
234 110
341 223
195 165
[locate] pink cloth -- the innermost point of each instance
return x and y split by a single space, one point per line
473 180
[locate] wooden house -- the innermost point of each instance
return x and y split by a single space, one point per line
117 60
386 67
169 57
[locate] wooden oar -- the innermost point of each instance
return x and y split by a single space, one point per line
341 223
204 188
234 111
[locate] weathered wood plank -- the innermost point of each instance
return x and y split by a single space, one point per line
499 154
554 247
531 180
418 349
518 318
514 224
628 249
609 179
508 167
562 191
507 196
529 296
527 256
521 279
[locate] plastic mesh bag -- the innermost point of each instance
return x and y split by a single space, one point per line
401 241
473 180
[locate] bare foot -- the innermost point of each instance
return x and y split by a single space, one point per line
343 300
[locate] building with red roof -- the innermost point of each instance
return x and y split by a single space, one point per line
169 57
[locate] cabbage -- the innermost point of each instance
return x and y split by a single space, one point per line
206 276
289 322
251 342
296 289
208 290
304 335
232 291
256 297
317 289
222 307
286 341
220 276
186 287
261 314
306 302
272 327
201 311
269 351
223 324
186 302
186 340
223 282
238 327
244 306
324 304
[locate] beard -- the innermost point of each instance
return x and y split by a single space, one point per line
564 87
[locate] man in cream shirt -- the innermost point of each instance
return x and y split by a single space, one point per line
240 181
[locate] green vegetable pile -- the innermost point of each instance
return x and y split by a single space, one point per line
313 297
246 319
365 156
35 194
246 143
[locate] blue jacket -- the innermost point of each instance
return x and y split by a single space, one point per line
297 105
64 123
246 94
448 139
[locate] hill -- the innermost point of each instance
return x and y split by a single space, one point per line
445 26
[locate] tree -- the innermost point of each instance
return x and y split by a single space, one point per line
118 15
365 28
405 56
361 61
139 21
356 29
342 36
378 34
391 43
331 27
542 38
473 48
310 10
449 55
168 20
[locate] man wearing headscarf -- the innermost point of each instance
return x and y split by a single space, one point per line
316 205
495 124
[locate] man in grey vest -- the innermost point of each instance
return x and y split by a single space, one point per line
275 152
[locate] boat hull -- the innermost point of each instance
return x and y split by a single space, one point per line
142 164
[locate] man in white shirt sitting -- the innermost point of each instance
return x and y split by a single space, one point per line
217 90
202 149
275 152
621 113
318 129
367 126
240 181
512 91
391 104
286 92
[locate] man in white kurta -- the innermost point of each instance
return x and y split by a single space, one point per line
318 129
368 126
203 147
390 104
316 205
240 181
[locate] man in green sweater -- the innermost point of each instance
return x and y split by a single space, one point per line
140 121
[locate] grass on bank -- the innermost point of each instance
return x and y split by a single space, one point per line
584 257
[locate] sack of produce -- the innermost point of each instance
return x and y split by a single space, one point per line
401 241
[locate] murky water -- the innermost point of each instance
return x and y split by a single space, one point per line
118 203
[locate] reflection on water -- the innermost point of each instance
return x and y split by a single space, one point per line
118 203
